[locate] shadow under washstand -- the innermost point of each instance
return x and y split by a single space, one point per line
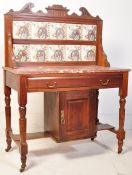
72 149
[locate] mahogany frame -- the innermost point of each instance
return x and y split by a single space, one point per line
19 80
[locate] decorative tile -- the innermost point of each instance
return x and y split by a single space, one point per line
88 53
73 52
57 31
74 31
39 53
22 29
22 53
49 30
56 52
89 32
40 30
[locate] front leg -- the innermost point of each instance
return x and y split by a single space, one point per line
121 132
122 93
97 119
22 99
23 143
8 117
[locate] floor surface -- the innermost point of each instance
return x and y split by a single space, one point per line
82 157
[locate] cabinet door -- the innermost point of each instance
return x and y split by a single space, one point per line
78 114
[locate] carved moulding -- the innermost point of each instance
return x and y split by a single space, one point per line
54 10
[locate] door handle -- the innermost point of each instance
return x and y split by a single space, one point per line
62 117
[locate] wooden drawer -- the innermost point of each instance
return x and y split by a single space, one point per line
106 81
96 81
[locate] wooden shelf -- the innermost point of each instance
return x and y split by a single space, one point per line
31 136
102 126
51 41
106 126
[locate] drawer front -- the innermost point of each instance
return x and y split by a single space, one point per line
99 81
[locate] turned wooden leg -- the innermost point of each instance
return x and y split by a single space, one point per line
8 117
121 132
97 104
97 119
23 144
22 99
123 90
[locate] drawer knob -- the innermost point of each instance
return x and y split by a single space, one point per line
51 85
104 82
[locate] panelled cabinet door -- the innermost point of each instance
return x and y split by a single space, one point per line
78 114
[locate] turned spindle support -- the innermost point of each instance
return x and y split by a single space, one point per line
8 117
22 100
97 119
121 132
123 90
23 144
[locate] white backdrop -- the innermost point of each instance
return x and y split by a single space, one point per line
117 42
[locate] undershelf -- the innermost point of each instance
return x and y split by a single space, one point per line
30 136
38 135
105 126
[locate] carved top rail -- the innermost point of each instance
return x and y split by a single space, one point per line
54 11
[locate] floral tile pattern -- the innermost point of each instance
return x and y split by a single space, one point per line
22 53
88 53
22 29
49 30
89 32
74 31
38 53
54 53
40 30
57 31
73 53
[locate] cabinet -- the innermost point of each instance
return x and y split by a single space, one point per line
70 115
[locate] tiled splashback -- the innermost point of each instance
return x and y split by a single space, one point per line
50 30
57 31
55 53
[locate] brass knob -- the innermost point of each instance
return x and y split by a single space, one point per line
104 82
51 84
